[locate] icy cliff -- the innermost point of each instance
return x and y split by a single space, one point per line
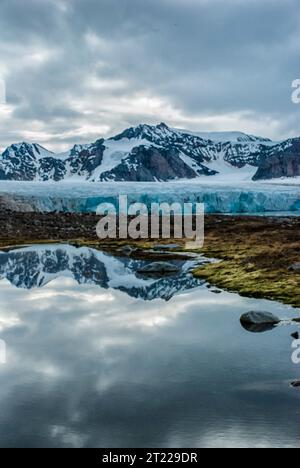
85 197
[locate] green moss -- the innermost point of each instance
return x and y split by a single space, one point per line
275 285
255 255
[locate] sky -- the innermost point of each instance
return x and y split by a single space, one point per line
78 70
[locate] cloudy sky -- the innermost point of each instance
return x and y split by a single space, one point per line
76 70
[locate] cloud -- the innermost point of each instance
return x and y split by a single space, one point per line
74 68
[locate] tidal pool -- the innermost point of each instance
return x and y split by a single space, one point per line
98 356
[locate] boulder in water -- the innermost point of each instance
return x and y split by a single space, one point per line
259 322
295 384
295 335
161 268
258 318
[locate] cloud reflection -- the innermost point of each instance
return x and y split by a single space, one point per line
132 373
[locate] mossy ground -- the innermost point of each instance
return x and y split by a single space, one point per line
255 253
256 256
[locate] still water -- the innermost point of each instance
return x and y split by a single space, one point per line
98 356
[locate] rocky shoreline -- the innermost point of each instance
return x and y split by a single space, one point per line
259 255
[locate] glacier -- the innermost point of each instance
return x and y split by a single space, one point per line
83 197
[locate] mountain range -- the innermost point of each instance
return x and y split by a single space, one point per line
155 153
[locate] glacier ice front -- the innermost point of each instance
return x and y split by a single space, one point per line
86 197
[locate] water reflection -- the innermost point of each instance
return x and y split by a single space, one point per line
92 366
34 267
258 328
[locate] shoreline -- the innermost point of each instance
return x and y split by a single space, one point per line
256 253
257 257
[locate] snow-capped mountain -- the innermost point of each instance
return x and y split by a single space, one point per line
282 160
36 266
155 153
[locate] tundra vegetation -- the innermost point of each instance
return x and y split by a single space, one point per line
259 256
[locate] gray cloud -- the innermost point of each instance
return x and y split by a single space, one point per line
79 69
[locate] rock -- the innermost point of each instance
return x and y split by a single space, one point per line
295 335
166 246
258 318
280 161
259 322
295 267
295 384
216 291
127 250
159 268
149 164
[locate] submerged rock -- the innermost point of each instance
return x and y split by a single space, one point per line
259 322
295 335
295 384
216 291
159 268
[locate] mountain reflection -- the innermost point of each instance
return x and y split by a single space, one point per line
35 266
